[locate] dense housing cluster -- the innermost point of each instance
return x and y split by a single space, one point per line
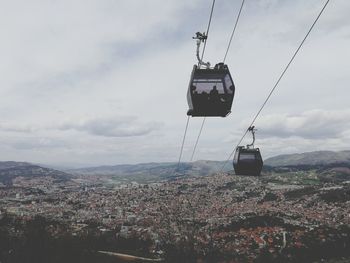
231 215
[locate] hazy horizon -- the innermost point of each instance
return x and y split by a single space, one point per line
68 166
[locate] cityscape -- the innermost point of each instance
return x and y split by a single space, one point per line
281 216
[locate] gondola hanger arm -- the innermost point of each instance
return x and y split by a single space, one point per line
252 130
201 37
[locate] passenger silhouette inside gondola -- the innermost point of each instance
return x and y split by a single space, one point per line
214 95
214 99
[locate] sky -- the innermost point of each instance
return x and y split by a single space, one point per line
104 82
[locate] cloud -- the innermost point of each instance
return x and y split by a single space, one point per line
117 126
13 127
37 143
313 124
113 127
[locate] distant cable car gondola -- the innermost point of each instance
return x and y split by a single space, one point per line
247 160
211 90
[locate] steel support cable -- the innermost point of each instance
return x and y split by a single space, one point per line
199 135
277 82
208 27
183 143
227 49
234 30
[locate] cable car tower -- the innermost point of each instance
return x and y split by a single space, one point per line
248 160
211 89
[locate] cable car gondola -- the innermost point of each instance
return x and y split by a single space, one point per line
248 160
211 90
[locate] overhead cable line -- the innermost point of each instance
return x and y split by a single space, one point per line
188 118
199 134
183 143
277 82
234 30
208 28
227 49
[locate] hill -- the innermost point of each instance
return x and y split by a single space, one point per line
309 158
12 170
325 162
312 167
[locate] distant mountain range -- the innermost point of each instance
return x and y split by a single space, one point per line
10 170
325 166
154 172
309 158
207 167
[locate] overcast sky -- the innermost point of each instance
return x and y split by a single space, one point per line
93 82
